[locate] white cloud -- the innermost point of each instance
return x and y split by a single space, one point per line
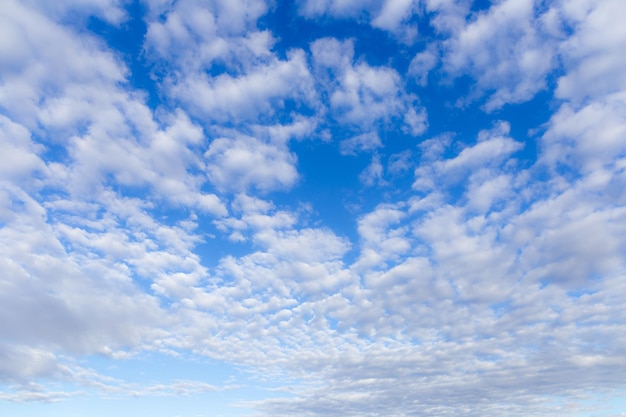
19 156
307 245
361 95
38 55
301 128
448 15
593 54
111 11
493 149
373 173
23 363
400 162
390 15
415 123
511 48
360 143
220 66
164 163
422 63
110 130
490 151
506 50
171 24
250 204
66 301
245 162
381 241
588 138
259 92
71 246
339 8
485 190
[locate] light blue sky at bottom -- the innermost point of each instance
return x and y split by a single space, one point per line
234 388
205 405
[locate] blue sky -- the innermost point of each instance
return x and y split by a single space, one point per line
314 208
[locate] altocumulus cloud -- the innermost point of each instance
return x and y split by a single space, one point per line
316 208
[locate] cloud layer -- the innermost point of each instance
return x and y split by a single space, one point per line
367 224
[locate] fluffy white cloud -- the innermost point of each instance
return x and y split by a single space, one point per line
190 38
19 155
400 162
164 163
360 143
593 53
381 241
304 245
587 138
244 162
422 63
373 173
392 14
361 95
492 149
508 49
67 301
112 11
39 56
389 15
259 92
104 130
190 17
193 34
72 247
341 8
511 48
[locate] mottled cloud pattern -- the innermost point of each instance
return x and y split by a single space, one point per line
315 208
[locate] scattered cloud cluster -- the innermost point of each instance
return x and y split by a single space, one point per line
361 95
482 269
393 16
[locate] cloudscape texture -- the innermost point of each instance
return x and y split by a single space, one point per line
312 208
